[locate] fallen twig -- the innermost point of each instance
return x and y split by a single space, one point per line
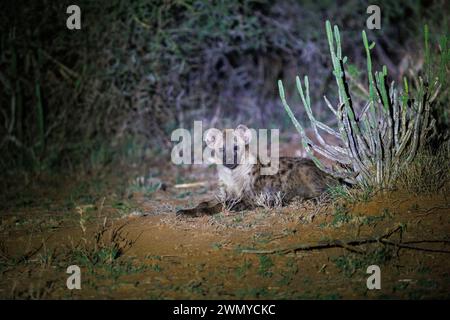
406 246
350 244
430 210
191 185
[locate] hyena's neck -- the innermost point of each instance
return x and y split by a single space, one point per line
238 181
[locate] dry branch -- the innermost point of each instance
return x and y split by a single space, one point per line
350 244
191 185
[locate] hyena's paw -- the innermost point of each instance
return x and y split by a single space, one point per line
238 206
188 213
203 209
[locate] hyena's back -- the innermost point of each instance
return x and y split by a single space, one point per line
296 177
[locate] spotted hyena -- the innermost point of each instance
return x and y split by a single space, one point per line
241 184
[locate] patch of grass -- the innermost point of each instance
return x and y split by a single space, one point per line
183 195
195 287
125 208
47 257
288 275
285 280
155 257
105 262
350 195
242 270
216 246
351 263
422 269
145 185
371 220
156 267
340 216
428 173
265 266
238 219
253 293
427 283
219 217
400 286
8 260
102 253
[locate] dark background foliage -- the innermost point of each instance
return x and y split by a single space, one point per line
138 69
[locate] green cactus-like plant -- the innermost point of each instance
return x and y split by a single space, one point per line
376 142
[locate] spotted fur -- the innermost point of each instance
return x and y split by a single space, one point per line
243 183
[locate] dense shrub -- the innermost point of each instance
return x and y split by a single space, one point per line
137 69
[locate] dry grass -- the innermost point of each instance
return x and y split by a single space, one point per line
429 173
269 200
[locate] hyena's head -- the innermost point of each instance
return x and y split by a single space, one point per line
230 147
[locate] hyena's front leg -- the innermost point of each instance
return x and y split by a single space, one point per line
208 207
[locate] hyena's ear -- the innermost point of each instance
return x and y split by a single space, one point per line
214 138
243 133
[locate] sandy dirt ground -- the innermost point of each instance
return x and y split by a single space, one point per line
128 243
